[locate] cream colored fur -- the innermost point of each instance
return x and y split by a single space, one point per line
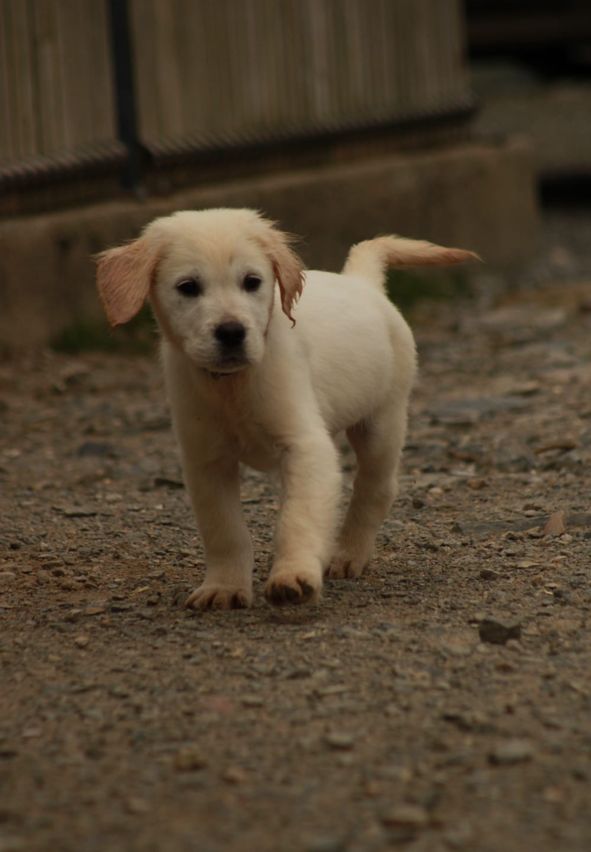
347 364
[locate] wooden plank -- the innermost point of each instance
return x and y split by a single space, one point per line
97 62
48 79
5 117
21 116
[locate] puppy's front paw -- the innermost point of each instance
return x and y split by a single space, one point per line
212 596
293 587
345 566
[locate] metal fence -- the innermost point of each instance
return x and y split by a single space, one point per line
92 82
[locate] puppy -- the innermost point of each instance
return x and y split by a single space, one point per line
247 384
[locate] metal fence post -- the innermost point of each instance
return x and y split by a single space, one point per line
125 96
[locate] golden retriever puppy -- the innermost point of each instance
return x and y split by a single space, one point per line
248 384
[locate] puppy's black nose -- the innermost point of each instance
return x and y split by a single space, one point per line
230 333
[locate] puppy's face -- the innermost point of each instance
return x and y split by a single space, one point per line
213 294
210 276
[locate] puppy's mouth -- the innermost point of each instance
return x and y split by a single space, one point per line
228 365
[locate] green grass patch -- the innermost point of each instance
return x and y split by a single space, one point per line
138 336
406 287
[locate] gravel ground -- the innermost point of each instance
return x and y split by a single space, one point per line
441 702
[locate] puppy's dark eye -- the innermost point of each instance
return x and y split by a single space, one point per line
189 287
251 283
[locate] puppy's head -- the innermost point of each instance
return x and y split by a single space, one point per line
210 276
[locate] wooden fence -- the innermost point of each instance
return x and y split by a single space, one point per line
224 70
56 94
214 73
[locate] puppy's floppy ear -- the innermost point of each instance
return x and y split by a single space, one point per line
288 267
124 276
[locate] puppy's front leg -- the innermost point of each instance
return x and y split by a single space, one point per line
215 496
311 479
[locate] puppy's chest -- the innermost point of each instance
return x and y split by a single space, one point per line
250 441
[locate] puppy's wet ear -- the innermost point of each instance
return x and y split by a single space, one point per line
288 267
124 276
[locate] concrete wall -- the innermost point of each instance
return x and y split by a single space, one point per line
479 196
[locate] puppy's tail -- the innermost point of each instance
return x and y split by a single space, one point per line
371 258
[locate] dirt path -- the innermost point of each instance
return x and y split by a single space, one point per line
384 717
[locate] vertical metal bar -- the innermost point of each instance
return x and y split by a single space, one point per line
125 98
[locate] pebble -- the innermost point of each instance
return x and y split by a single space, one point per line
489 574
189 759
76 511
135 805
252 701
95 610
7 576
32 733
511 751
120 607
556 524
81 641
325 843
498 633
340 740
234 775
405 816
459 837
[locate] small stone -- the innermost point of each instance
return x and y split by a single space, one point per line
7 577
489 574
120 607
564 444
95 610
252 701
497 633
405 816
76 511
459 837
189 759
135 805
339 740
57 570
118 691
32 733
524 389
94 448
234 775
325 843
553 795
555 525
510 752
81 641
69 585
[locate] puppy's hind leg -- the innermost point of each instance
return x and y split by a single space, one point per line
378 444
